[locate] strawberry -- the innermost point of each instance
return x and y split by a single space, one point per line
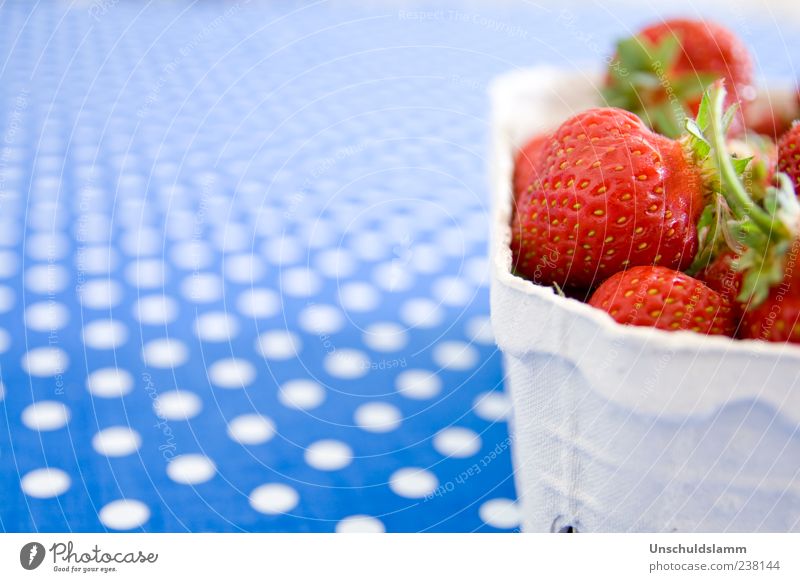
764 233
773 116
527 163
763 154
789 155
777 318
722 276
609 194
661 73
665 299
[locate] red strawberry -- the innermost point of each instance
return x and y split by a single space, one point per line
777 319
610 194
773 115
767 231
722 276
661 73
763 155
526 166
665 299
789 155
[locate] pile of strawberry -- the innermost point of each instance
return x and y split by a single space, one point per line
676 207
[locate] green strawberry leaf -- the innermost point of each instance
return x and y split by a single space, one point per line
692 85
759 231
665 53
642 79
633 53
740 165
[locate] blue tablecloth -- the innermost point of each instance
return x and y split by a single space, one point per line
243 283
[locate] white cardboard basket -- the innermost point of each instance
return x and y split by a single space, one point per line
622 428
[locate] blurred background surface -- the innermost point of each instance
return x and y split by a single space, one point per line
243 277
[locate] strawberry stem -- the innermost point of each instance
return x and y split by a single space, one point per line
732 188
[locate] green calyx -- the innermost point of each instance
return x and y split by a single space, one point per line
642 80
758 224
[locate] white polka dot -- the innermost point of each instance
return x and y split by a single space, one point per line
109 382
421 313
232 373
393 276
335 263
191 469
282 251
100 294
46 316
426 259
5 341
492 406
358 297
9 263
45 415
165 353
10 233
477 270
385 337
274 498
451 241
418 384
232 237
180 225
378 417
146 274
45 362
202 288
479 330
46 279
96 260
360 524
347 364
251 429
124 514
7 299
319 235
44 483
455 355
243 268
278 345
369 246
177 405
300 282
301 394
142 242
104 334
46 247
216 326
452 291
500 513
328 455
413 482
457 442
321 319
156 310
191 255
92 227
258 303
116 441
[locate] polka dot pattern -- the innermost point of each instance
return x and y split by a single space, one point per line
45 483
